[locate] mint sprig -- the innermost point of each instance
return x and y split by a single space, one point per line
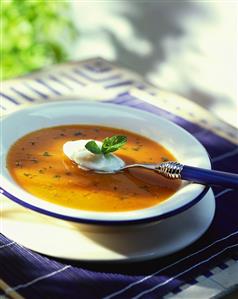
109 145
112 144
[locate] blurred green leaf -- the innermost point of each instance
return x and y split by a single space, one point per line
34 34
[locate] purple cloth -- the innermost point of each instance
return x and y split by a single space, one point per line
35 276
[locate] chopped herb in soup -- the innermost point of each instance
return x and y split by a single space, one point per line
38 164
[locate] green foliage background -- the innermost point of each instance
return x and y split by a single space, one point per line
34 33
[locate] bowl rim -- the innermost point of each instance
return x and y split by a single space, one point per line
146 219
107 222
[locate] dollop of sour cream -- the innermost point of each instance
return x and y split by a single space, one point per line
77 152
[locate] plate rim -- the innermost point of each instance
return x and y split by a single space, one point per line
131 259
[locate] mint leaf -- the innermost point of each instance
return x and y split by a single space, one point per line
112 144
93 147
109 145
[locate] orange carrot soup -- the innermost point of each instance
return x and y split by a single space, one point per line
37 163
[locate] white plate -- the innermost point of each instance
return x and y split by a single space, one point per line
83 242
187 149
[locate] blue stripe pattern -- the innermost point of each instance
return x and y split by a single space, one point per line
61 82
14 101
37 276
83 74
20 93
2 107
36 91
72 78
47 85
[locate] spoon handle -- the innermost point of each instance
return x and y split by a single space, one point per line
210 177
176 170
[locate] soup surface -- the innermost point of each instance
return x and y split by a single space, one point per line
37 163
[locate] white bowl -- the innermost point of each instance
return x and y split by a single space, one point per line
179 142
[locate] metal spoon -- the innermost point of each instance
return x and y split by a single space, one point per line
175 170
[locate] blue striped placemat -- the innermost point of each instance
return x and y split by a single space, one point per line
26 274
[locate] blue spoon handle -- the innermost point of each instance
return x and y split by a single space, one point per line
175 170
210 177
